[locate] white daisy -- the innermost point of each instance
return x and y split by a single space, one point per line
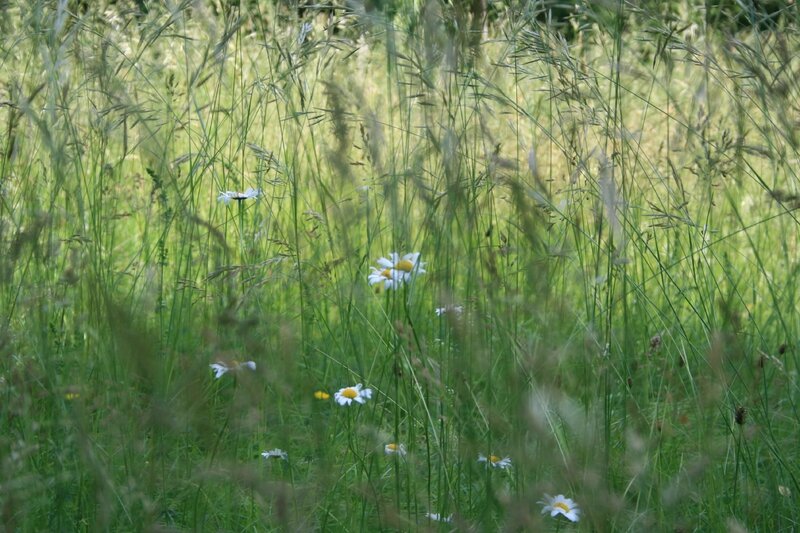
407 266
561 506
457 309
348 395
220 369
277 452
394 449
440 518
227 196
495 462
390 278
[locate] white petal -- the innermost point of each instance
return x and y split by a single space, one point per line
277 452
219 369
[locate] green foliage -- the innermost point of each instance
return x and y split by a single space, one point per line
608 221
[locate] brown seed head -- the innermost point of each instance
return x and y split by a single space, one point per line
740 415
655 342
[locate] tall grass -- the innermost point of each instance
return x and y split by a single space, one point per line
615 214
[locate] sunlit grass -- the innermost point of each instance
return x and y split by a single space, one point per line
558 267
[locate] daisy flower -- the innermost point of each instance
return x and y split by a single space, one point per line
457 309
394 449
348 395
561 506
227 196
220 369
406 266
495 462
277 452
439 518
321 395
390 278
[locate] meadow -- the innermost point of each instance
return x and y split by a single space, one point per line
593 293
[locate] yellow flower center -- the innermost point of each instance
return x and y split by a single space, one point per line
392 447
494 459
404 265
321 395
387 274
563 506
350 393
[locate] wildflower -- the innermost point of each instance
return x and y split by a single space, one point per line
561 505
321 395
220 369
439 518
390 278
348 395
457 309
394 449
495 462
277 452
407 266
227 196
